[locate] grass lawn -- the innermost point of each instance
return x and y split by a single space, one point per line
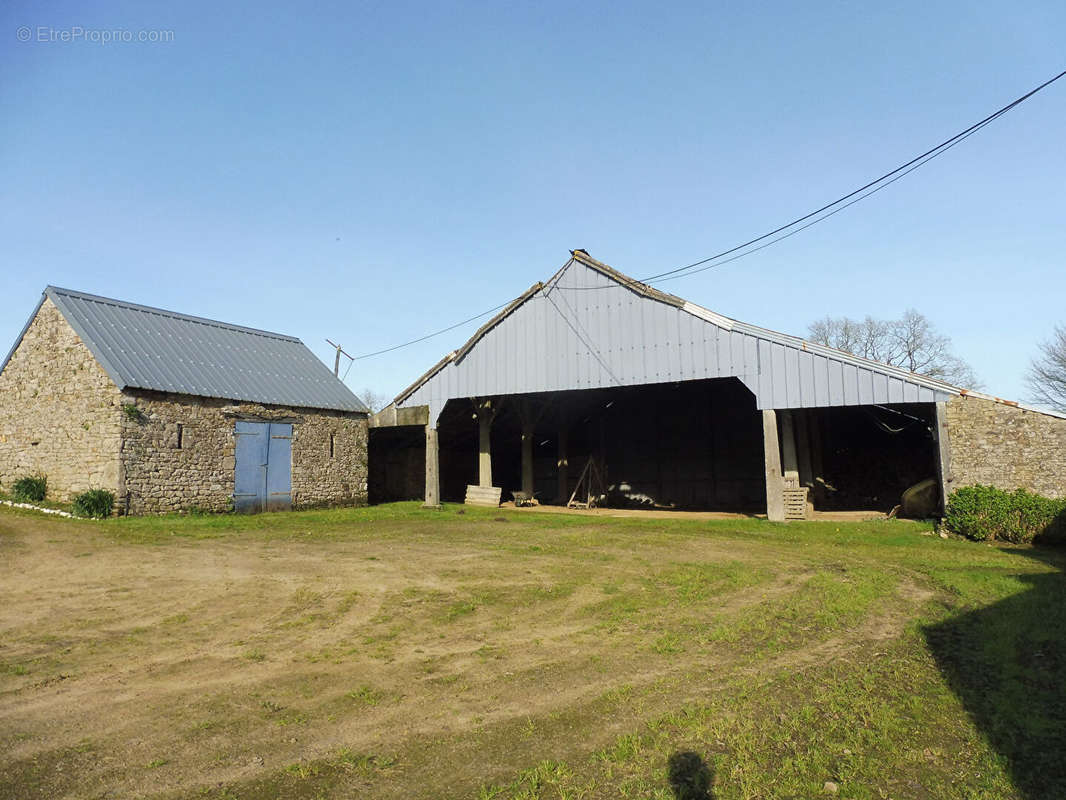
394 652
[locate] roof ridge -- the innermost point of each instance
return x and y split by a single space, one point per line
142 347
757 330
708 315
50 290
626 281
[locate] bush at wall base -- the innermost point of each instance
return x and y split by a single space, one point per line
1021 517
94 503
31 489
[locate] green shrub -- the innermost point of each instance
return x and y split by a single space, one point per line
132 413
985 512
31 489
94 503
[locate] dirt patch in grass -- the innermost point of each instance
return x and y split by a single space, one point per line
398 653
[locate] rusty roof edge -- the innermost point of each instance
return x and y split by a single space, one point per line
729 323
457 355
785 339
1049 412
423 379
496 320
575 255
626 281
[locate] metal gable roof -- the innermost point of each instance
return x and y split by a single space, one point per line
141 347
619 338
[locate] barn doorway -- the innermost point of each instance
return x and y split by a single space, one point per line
690 445
397 463
262 478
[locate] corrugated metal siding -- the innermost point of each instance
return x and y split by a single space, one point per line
147 348
562 339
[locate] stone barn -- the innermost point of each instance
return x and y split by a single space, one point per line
594 384
172 412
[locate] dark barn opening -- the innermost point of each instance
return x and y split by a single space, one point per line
669 405
691 445
694 445
872 454
397 463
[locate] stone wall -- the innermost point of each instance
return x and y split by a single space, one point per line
59 412
1001 445
161 477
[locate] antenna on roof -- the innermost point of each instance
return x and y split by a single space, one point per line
337 360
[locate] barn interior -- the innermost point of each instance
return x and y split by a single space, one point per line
691 445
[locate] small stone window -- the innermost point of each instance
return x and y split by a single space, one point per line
181 436
332 445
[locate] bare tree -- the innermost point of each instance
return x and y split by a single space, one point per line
1047 373
910 342
374 400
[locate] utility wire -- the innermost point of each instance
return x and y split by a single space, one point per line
826 211
898 172
827 215
435 333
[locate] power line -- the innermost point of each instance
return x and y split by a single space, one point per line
827 215
898 172
826 211
435 333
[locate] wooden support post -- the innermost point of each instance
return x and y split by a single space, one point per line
775 487
486 411
943 455
432 469
562 464
789 463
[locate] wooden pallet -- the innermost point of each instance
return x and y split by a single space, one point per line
796 503
483 496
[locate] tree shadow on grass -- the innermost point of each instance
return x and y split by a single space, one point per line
1007 664
690 777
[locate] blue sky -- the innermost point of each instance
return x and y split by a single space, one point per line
370 172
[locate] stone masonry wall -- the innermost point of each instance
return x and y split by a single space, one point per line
59 412
160 477
1004 446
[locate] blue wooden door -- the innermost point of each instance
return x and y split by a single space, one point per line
279 468
262 478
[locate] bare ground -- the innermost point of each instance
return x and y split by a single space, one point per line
435 658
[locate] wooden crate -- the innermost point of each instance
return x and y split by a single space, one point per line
483 496
796 503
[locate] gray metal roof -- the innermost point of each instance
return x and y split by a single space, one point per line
148 348
590 326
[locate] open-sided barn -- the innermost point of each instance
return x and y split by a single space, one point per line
663 402
172 412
